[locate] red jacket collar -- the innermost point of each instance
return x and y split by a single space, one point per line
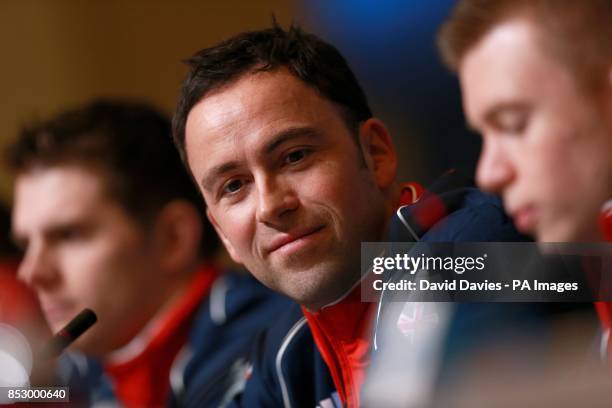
143 380
342 334
342 330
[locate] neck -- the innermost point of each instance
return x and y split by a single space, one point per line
167 299
393 194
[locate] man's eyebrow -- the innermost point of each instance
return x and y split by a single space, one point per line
493 112
208 180
289 134
21 239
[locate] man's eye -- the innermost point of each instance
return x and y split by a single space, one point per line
512 122
232 187
296 156
71 234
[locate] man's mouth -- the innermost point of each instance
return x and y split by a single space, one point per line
525 218
294 241
56 311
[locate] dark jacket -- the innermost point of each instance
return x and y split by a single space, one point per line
212 366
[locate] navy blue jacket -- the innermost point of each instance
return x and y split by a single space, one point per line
288 369
212 367
469 216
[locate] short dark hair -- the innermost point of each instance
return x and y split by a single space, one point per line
129 143
576 32
317 63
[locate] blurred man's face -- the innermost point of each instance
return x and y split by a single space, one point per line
547 147
84 250
285 184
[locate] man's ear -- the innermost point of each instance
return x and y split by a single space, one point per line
228 245
178 233
378 151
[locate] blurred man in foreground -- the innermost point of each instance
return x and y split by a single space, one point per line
537 84
109 220
536 78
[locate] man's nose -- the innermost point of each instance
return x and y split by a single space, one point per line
495 169
277 199
37 269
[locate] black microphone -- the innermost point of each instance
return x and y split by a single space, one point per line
69 333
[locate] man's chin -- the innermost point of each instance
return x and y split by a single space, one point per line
56 325
567 233
89 343
315 291
552 237
308 293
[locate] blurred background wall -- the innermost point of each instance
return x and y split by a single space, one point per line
60 53
56 54
391 44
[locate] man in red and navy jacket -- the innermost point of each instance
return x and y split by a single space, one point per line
110 221
296 174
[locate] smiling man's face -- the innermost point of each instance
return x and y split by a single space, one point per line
286 184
